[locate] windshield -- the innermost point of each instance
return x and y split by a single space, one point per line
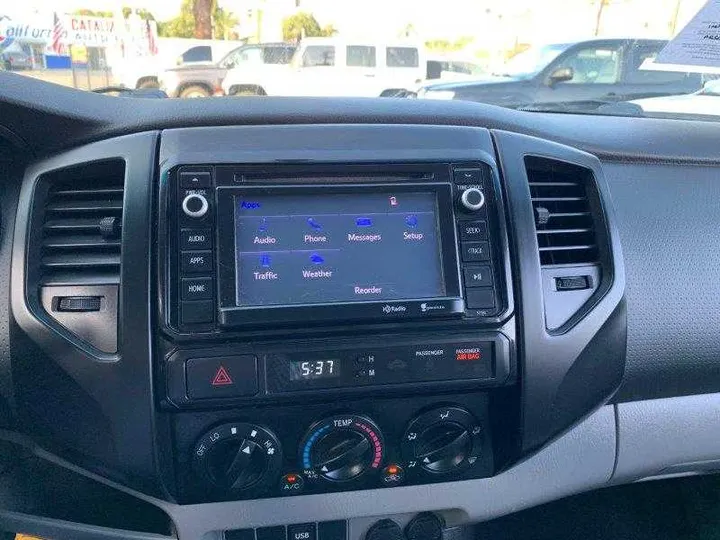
531 62
548 56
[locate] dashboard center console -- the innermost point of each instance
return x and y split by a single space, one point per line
380 278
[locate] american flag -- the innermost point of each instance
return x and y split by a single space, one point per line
57 34
152 44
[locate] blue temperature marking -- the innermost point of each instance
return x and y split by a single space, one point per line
309 443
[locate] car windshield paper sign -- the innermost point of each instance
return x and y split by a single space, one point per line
698 44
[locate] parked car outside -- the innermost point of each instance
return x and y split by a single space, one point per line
449 67
579 76
336 67
144 72
205 79
703 102
16 58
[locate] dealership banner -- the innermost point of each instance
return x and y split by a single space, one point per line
77 30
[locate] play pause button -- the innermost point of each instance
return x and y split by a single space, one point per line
478 276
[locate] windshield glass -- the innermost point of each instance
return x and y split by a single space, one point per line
548 56
532 61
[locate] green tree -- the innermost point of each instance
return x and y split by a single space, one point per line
443 45
182 26
144 14
93 13
224 23
185 24
302 25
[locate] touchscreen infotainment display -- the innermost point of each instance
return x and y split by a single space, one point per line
336 248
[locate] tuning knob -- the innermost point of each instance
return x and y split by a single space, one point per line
472 199
443 440
341 448
238 456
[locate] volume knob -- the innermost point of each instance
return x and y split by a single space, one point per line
472 199
195 205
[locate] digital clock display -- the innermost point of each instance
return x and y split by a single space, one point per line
327 368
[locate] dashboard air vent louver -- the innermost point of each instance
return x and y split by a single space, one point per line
82 224
564 220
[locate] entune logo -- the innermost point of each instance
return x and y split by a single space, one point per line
425 307
387 308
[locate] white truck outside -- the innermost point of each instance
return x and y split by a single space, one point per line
334 67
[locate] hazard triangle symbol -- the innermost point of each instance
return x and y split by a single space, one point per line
222 377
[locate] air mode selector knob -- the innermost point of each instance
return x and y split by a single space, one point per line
472 199
195 205
238 456
442 440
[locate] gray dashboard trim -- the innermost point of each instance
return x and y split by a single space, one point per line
673 435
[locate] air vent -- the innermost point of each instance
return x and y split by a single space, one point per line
82 225
564 221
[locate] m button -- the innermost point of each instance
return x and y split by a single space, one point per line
221 377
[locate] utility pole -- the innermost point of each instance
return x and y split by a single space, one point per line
674 20
598 18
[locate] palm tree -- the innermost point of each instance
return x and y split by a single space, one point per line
202 11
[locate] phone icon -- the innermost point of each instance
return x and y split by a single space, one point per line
314 224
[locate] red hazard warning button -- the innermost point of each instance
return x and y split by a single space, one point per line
221 377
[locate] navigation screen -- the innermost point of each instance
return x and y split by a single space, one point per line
337 248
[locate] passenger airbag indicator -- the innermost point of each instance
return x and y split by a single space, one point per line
467 355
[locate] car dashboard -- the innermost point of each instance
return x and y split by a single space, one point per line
272 318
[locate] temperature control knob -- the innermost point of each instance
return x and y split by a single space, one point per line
195 205
472 199
442 440
238 456
341 448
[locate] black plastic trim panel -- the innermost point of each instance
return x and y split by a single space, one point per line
564 376
119 384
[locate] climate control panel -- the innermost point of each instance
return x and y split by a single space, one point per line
285 451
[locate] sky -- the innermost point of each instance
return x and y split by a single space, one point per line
490 20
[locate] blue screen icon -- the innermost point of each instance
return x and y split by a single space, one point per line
316 259
265 260
411 221
363 222
314 224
